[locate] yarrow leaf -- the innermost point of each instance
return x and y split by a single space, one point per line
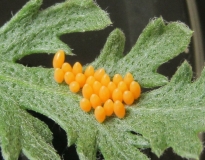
157 44
30 31
33 31
39 92
170 116
21 131
177 112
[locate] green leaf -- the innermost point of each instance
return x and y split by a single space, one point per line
170 116
157 44
33 31
20 131
36 90
173 115
112 52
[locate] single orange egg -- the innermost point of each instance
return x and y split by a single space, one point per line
109 107
95 100
104 93
128 79
96 87
58 59
74 87
85 105
105 79
69 77
117 95
80 78
100 114
122 86
111 86
135 89
58 75
66 67
89 71
77 68
99 74
119 109
117 78
128 97
90 80
87 91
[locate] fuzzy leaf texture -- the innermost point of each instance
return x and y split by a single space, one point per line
170 116
156 45
30 31
35 31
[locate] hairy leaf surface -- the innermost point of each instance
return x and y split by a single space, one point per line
170 116
19 131
157 44
33 30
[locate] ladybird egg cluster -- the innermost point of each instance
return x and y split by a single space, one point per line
99 92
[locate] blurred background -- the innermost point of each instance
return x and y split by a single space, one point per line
131 16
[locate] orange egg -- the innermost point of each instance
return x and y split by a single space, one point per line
100 114
58 59
117 95
74 87
135 89
105 79
95 100
77 68
128 97
66 67
58 75
99 74
117 78
90 80
80 78
111 86
109 107
96 87
85 105
122 86
119 109
128 78
89 71
87 91
104 93
69 77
